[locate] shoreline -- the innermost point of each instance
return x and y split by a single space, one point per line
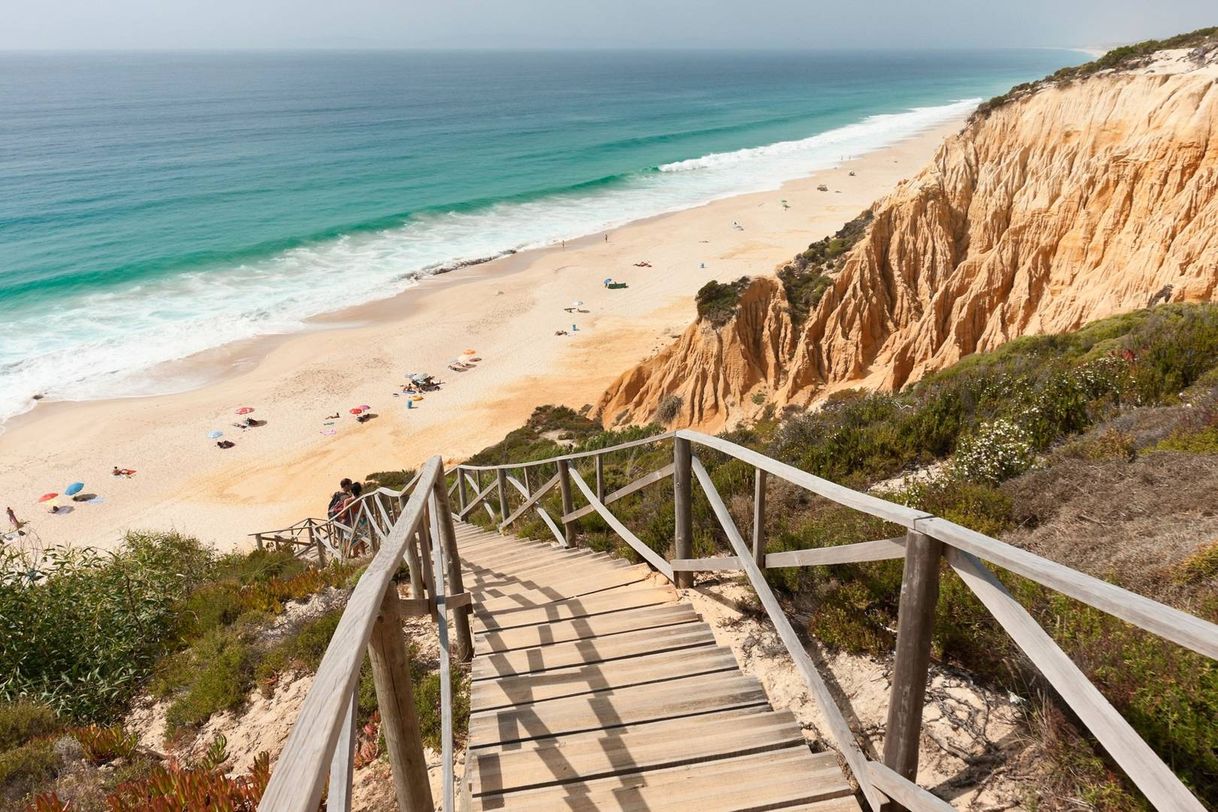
508 308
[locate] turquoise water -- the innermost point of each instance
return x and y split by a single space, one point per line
156 205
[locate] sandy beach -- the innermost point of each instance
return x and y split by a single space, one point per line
508 310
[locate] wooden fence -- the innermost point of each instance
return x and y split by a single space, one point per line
422 533
928 540
321 745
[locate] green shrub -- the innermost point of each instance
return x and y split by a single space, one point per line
24 768
303 650
806 278
717 301
84 628
1199 441
220 675
22 721
998 450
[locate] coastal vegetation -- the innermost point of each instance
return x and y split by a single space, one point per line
1101 422
162 616
806 277
1125 57
717 301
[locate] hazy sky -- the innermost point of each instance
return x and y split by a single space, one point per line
212 24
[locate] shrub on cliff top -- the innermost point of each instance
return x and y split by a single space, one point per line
717 301
1124 57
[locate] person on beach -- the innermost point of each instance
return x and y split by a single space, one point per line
12 519
338 497
226 444
123 472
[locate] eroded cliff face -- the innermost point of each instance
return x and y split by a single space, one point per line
1070 204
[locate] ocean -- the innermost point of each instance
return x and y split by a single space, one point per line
157 205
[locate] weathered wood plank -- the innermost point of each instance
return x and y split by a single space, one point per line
726 563
1154 778
656 746
905 792
862 502
915 623
579 652
843 737
626 490
557 683
529 501
1187 630
767 780
578 584
856 553
615 707
600 603
601 626
299 776
646 553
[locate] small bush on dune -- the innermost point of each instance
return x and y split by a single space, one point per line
717 301
22 721
220 670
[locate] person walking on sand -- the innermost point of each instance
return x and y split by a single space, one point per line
12 519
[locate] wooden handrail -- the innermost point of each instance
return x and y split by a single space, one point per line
962 546
311 753
928 538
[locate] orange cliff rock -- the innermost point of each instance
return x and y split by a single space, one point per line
1068 204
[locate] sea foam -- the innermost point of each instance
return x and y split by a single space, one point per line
115 343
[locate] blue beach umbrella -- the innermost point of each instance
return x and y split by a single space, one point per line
215 434
74 488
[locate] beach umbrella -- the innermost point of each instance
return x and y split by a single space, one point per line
577 303
74 488
470 351
356 410
365 407
245 410
419 377
608 279
215 434
46 497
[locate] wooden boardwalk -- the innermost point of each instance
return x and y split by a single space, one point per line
593 687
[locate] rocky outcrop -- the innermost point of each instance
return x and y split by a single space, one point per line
1068 204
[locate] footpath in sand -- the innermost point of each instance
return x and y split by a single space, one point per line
508 310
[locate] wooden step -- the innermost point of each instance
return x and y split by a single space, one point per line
622 706
538 575
651 617
770 780
557 683
609 601
497 600
662 744
579 652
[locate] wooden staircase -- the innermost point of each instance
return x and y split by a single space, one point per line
594 687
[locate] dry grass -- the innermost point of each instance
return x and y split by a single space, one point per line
1135 523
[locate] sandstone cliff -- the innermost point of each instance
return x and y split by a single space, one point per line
1069 202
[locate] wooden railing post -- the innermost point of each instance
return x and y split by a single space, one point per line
258 541
415 563
600 478
683 507
501 477
568 504
395 699
461 497
452 561
915 622
316 542
759 517
528 491
342 763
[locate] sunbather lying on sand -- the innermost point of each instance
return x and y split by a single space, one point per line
123 472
